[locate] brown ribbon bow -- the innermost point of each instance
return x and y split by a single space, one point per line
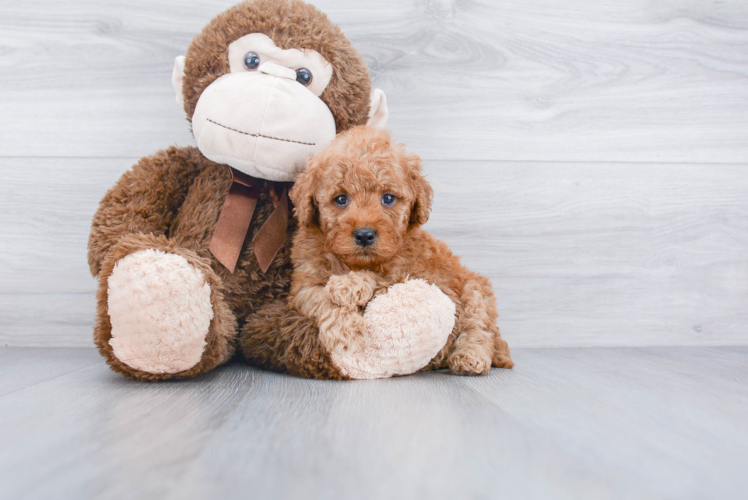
236 215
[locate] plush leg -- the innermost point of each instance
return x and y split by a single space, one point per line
279 338
160 313
478 344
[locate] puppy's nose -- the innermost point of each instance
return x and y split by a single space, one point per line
365 236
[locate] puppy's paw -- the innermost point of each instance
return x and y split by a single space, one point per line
352 290
470 361
342 330
501 357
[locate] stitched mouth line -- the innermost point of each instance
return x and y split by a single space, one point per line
261 135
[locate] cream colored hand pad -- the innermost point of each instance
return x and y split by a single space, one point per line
406 327
160 310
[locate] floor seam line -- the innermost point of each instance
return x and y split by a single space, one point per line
49 379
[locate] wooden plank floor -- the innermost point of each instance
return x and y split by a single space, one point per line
579 80
636 423
590 157
579 254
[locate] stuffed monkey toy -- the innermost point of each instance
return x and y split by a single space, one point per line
192 241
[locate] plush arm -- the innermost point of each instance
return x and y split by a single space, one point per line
145 200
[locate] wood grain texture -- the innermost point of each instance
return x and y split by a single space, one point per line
579 254
47 319
101 436
603 254
589 157
27 366
45 219
565 423
663 80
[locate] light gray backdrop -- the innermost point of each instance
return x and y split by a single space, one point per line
591 157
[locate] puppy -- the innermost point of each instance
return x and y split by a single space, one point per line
360 206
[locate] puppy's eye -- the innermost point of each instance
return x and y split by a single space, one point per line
304 76
341 200
388 200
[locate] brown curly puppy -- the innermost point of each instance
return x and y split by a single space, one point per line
360 206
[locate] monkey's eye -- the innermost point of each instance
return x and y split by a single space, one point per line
304 76
388 200
251 61
341 200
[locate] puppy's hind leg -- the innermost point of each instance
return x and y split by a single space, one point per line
475 348
501 357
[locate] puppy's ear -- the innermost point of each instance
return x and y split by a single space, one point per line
423 192
302 196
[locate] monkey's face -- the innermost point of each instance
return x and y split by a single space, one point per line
265 117
268 83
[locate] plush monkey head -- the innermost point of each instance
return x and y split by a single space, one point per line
268 84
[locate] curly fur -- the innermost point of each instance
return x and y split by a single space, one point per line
334 277
171 201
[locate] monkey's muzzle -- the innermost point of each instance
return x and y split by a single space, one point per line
264 124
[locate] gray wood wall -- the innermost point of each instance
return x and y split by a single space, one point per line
591 157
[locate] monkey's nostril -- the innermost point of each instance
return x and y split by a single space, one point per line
364 237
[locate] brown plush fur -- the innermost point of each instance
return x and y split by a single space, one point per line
334 277
281 339
171 200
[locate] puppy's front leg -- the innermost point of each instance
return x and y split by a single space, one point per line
354 289
340 325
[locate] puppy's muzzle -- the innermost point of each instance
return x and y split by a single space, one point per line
364 236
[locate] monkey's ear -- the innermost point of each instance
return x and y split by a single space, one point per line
419 213
177 76
302 196
378 112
